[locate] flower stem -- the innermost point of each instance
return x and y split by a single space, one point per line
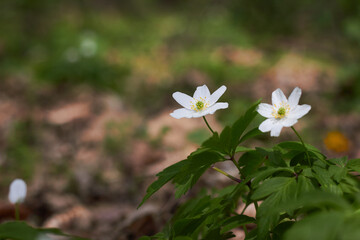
226 174
306 150
207 124
17 215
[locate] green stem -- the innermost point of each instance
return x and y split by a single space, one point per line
306 150
245 230
17 215
256 206
226 174
235 163
207 124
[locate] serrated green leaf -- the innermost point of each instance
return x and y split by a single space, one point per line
17 230
270 186
163 177
250 162
268 213
337 173
195 166
261 175
298 147
273 155
354 164
235 221
339 161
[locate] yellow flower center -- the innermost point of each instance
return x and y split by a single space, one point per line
199 104
281 111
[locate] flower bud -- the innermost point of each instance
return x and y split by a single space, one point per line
17 192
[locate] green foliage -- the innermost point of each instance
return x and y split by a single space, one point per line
21 231
303 194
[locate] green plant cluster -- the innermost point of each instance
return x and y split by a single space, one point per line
298 193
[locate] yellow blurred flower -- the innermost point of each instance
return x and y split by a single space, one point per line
337 142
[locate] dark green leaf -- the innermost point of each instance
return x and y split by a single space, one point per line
354 164
270 186
243 149
236 221
240 125
274 156
250 161
261 175
250 134
163 177
17 230
321 226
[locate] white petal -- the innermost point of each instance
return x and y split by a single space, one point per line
288 122
202 91
182 113
17 191
294 97
299 111
278 97
183 99
217 106
275 131
265 110
217 94
267 125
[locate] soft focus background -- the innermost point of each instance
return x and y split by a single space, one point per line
86 88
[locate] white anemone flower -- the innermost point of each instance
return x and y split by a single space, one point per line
283 112
17 191
201 104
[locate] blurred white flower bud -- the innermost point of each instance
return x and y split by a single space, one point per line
17 191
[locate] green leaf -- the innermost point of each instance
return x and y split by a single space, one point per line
214 143
339 161
184 174
183 238
243 149
186 226
279 230
270 186
354 164
17 230
268 213
250 134
261 175
274 156
324 177
163 177
242 123
251 162
298 147
191 171
321 226
236 221
337 173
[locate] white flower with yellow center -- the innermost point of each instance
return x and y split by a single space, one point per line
283 113
201 104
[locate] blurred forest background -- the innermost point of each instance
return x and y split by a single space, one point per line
86 88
